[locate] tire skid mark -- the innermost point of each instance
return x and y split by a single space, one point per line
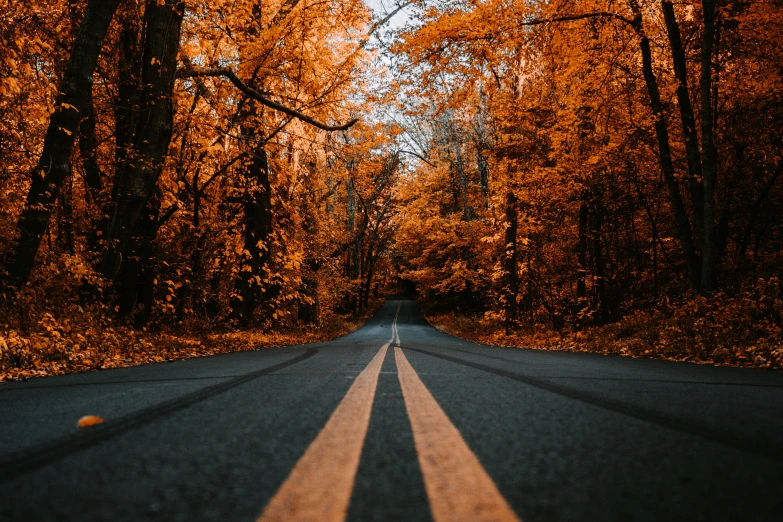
42 455
753 446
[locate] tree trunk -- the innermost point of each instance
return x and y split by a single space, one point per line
309 308
600 265
510 275
687 119
364 298
709 243
65 221
462 179
253 272
87 149
483 171
756 210
129 86
664 152
139 174
352 256
54 164
192 289
581 252
212 305
135 280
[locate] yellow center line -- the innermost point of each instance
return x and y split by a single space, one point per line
458 487
319 486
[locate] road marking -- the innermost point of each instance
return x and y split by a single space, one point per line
319 487
458 487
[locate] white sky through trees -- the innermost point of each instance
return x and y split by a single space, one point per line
383 7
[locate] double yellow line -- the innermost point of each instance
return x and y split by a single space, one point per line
319 486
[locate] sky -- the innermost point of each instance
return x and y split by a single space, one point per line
382 7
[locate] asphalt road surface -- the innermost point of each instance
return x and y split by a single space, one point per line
397 422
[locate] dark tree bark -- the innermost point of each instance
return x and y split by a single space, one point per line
309 307
352 261
604 306
193 290
139 173
212 305
665 154
129 68
376 247
364 283
125 105
510 275
483 171
250 92
709 253
93 178
135 280
54 165
65 222
87 149
462 179
756 210
687 118
259 227
581 254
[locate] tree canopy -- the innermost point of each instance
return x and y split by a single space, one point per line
252 164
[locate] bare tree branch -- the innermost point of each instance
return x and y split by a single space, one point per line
230 75
380 23
417 155
582 16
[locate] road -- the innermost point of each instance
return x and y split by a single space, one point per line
397 422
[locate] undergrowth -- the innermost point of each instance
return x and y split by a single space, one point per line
40 337
741 330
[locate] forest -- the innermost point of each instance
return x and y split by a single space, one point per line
180 178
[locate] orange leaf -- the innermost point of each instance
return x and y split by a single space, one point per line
89 420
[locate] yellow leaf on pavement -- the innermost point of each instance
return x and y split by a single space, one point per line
90 420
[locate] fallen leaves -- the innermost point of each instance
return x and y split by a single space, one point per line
90 420
704 338
39 353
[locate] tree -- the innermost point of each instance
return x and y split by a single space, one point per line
54 165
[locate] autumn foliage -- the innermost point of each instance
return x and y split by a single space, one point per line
185 167
601 174
559 173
